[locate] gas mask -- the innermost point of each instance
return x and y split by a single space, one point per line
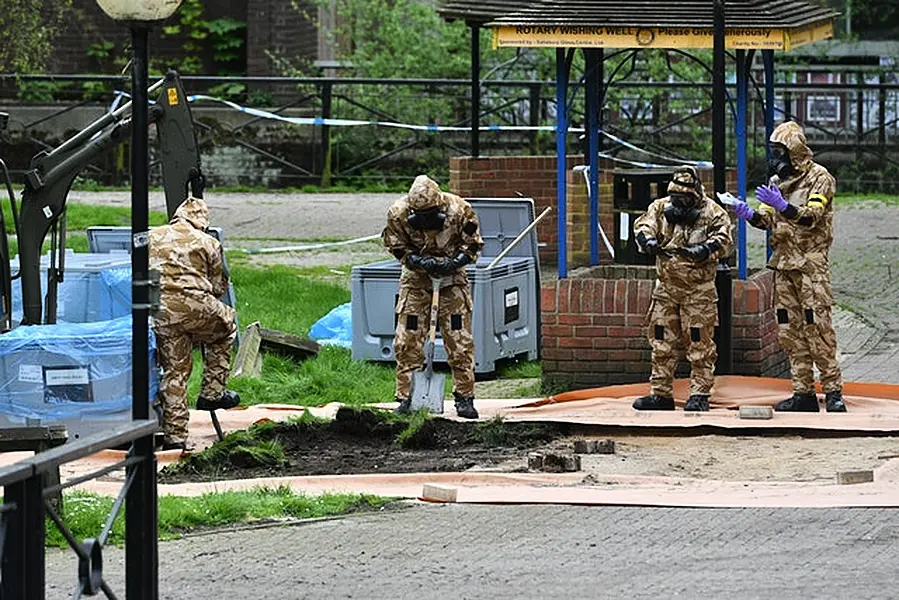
779 161
682 210
431 219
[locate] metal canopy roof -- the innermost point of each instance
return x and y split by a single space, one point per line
480 12
686 24
776 14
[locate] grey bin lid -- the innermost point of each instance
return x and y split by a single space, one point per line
502 219
102 239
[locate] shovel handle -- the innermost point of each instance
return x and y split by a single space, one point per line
435 308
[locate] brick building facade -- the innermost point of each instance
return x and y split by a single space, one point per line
273 28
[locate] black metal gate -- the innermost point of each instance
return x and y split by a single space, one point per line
27 507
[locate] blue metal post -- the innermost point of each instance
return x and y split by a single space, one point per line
591 60
768 59
561 159
740 132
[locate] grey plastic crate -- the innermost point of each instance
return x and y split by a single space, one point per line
506 310
118 239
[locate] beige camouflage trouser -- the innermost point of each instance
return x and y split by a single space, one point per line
805 329
214 329
690 325
413 312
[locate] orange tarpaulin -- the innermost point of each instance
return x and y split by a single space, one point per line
872 408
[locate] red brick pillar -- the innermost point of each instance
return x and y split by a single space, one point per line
594 328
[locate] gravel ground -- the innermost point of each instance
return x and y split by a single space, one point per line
277 216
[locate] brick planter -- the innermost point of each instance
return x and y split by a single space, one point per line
594 335
593 322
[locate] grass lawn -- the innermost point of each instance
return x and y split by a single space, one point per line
78 218
86 513
292 300
81 216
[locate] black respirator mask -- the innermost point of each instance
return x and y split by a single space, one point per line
779 161
431 219
682 210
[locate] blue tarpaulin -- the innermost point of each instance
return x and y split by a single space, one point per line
60 371
335 328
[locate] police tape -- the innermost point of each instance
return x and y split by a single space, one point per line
306 247
264 114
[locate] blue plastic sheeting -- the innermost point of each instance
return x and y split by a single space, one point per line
115 297
335 328
95 287
69 370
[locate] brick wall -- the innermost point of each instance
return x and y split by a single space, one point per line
535 177
272 26
593 328
508 176
578 206
756 349
275 26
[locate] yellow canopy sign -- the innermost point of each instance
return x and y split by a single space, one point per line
589 36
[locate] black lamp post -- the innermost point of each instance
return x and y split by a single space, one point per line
141 559
723 275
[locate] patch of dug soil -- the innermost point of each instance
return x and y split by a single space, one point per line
362 441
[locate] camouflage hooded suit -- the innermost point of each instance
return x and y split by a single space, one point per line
192 280
683 310
801 237
459 234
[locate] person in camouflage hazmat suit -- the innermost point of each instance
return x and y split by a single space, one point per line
797 208
192 279
434 234
686 232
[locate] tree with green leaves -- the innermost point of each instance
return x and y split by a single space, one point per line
866 19
27 28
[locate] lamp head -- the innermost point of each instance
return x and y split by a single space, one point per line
139 10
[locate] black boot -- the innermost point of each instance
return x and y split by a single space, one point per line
182 446
228 399
834 401
807 402
653 402
465 407
697 402
405 406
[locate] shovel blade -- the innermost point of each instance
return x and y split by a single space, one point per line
427 391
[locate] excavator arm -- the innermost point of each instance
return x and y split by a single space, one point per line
50 177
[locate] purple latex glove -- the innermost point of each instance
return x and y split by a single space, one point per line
771 196
743 210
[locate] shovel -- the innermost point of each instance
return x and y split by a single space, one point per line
427 386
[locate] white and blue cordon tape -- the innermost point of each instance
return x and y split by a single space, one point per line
264 114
